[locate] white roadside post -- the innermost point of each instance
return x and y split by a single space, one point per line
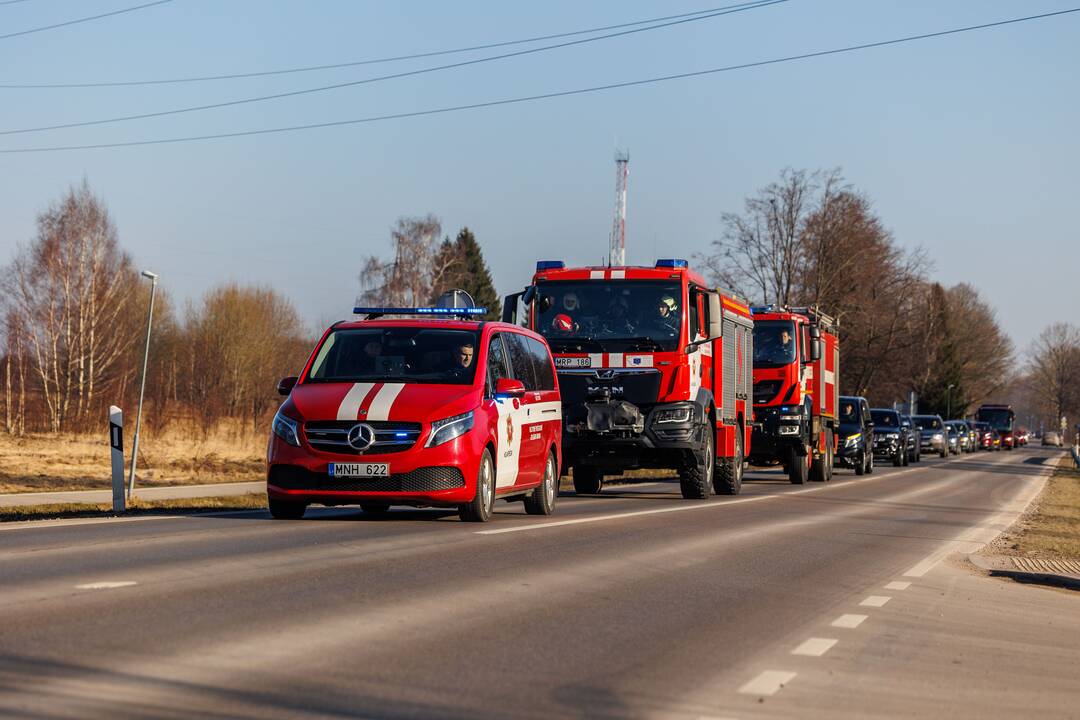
116 442
142 387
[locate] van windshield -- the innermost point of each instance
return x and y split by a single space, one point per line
397 354
885 418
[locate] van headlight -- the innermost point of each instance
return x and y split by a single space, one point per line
443 431
681 414
852 440
287 429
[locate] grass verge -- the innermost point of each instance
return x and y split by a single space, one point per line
1051 528
252 501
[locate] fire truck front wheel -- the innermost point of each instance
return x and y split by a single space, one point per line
729 471
696 476
587 480
799 466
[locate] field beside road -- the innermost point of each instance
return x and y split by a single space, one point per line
47 462
1051 528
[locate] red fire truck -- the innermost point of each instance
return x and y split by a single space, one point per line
796 391
1001 418
654 368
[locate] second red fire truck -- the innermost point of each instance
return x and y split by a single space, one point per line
655 370
796 391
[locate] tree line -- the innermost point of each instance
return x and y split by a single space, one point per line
74 320
811 238
74 313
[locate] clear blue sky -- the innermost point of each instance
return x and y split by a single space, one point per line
967 144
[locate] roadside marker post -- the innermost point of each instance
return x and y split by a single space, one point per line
116 442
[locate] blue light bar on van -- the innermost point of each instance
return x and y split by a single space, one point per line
759 309
549 265
452 311
672 263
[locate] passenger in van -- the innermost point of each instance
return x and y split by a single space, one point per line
463 355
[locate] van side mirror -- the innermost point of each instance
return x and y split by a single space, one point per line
285 385
716 316
509 387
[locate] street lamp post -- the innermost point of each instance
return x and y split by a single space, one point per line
142 386
948 405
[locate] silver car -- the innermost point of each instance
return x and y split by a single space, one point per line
932 434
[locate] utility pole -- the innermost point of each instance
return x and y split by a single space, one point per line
617 251
948 401
142 386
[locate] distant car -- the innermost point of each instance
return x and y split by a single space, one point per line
1022 437
964 443
932 434
1052 439
857 435
914 446
984 434
952 439
891 438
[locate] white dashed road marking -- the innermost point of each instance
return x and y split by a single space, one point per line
898 585
106 585
767 683
875 601
815 647
848 621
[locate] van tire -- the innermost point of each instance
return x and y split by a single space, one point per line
696 478
541 501
286 509
479 509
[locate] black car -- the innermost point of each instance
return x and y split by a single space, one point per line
891 438
856 435
914 441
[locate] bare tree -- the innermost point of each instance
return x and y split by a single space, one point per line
409 278
67 292
760 252
1055 370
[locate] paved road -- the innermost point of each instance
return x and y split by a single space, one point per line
843 600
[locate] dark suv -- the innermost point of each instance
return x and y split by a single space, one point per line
914 441
891 438
856 435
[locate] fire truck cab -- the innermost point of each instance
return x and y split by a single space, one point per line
654 368
796 391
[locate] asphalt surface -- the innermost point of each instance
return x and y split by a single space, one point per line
846 599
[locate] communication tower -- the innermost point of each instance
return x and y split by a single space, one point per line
617 252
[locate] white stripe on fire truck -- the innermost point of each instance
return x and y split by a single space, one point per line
614 360
349 409
383 401
618 274
830 377
596 274
639 361
596 360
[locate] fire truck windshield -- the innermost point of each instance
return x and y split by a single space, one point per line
999 418
609 315
396 354
774 343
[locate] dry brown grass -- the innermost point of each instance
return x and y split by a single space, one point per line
1051 529
253 501
38 463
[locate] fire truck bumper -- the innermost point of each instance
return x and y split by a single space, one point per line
618 435
778 431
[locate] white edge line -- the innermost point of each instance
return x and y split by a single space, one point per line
691 506
875 601
815 647
848 621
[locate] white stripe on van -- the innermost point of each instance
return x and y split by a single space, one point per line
383 401
349 409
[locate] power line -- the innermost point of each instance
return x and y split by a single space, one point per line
546 96
85 19
380 78
372 61
12 2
